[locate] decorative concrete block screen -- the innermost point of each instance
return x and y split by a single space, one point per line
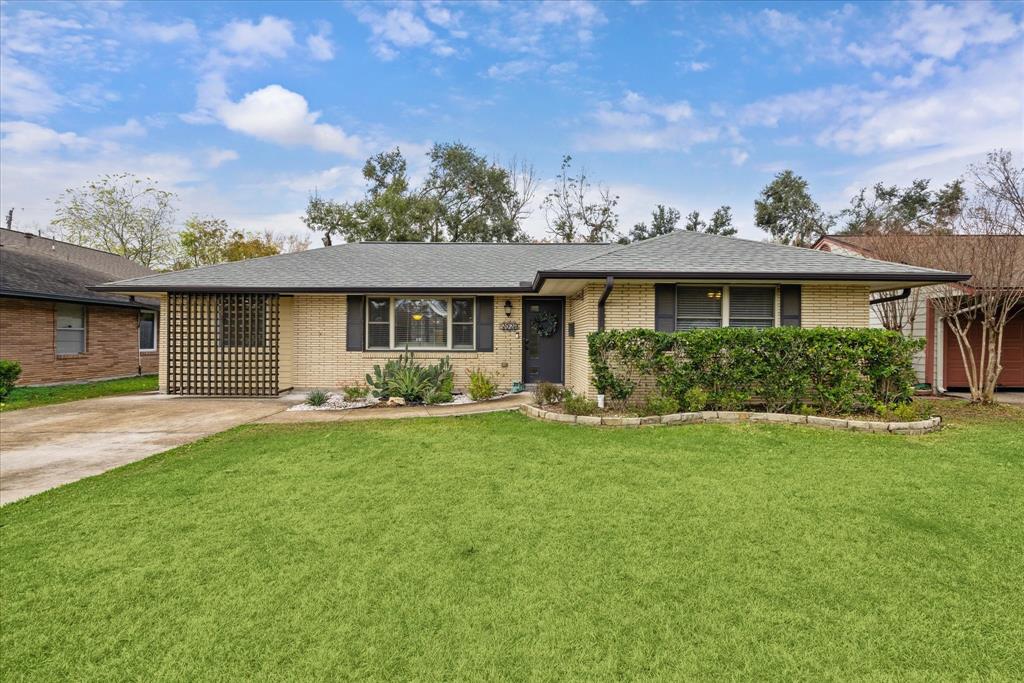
223 344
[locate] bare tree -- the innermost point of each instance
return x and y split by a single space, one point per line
991 249
898 315
122 214
523 179
573 213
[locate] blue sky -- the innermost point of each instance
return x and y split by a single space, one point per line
243 108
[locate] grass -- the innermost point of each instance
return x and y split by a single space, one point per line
32 397
496 547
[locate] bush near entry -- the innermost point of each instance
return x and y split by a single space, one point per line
838 370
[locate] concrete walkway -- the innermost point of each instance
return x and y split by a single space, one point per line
1014 398
42 448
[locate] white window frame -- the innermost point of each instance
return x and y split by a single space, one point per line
726 319
84 329
143 314
391 323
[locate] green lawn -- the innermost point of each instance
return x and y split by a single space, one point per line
31 397
496 547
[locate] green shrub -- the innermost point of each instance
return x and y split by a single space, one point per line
356 393
804 409
408 379
575 404
316 398
10 371
437 396
481 385
546 393
902 412
695 400
659 404
838 370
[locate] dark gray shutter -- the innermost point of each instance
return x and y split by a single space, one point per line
665 308
485 323
790 305
354 334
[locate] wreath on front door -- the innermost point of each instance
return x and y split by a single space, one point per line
545 324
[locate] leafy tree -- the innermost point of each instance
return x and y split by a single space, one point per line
122 214
572 212
721 222
694 222
914 209
786 211
473 199
202 242
664 220
240 246
464 198
206 241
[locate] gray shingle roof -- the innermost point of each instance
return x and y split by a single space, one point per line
417 266
34 275
695 254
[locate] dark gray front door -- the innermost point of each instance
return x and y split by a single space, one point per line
543 340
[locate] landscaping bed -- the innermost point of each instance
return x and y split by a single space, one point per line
556 413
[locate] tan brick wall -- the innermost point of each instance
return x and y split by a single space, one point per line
286 349
834 306
28 335
581 310
320 358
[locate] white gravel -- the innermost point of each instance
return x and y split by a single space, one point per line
338 402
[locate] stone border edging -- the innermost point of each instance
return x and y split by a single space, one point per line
732 417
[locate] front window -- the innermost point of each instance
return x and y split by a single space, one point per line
420 323
147 331
752 307
701 307
70 329
698 307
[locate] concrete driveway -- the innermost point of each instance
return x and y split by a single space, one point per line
41 448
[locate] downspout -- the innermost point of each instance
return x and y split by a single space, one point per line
895 297
609 284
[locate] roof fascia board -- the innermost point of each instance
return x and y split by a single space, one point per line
15 294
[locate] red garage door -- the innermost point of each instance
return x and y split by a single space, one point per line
1013 356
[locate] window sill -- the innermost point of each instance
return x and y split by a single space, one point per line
147 350
69 356
395 353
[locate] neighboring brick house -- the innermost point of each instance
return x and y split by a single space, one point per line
57 328
940 364
324 317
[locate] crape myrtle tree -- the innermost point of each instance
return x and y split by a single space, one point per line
888 217
120 213
465 197
991 250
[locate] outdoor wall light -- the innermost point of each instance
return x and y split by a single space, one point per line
508 308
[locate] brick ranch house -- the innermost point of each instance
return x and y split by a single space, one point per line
323 318
57 328
941 364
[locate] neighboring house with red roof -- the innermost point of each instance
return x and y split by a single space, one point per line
940 364
57 328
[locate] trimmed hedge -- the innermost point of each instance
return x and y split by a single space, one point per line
837 370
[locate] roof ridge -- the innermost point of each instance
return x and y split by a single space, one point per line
619 247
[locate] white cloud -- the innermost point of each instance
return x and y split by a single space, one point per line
638 123
24 92
129 129
738 156
507 71
184 31
278 115
697 67
970 104
216 157
319 44
401 28
271 37
24 136
941 30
